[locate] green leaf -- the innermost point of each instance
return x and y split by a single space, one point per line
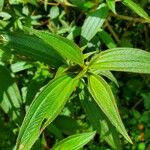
5 55
123 59
1 5
137 9
99 121
107 74
111 5
54 12
93 22
66 48
67 124
103 96
10 99
107 39
44 109
31 47
74 142
20 66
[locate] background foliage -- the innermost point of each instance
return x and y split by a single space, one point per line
123 27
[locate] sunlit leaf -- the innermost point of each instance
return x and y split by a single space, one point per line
111 5
99 121
93 22
44 109
1 5
66 48
10 99
137 9
74 142
123 59
103 96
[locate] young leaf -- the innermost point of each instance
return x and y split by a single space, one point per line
103 96
123 59
31 47
10 99
66 48
74 142
111 5
93 22
99 121
44 109
136 8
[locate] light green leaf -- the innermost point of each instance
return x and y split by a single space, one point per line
111 5
1 5
107 74
54 12
99 121
10 99
44 109
107 39
93 22
20 66
123 59
137 9
31 47
74 142
66 48
103 96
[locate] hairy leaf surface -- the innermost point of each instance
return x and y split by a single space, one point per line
103 96
44 109
137 9
31 47
66 48
93 22
99 121
123 59
74 142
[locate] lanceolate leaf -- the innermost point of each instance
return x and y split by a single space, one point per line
136 8
74 142
44 109
99 121
107 74
103 96
123 59
31 47
66 48
111 5
93 22
10 99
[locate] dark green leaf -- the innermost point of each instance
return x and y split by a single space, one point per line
107 39
31 47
